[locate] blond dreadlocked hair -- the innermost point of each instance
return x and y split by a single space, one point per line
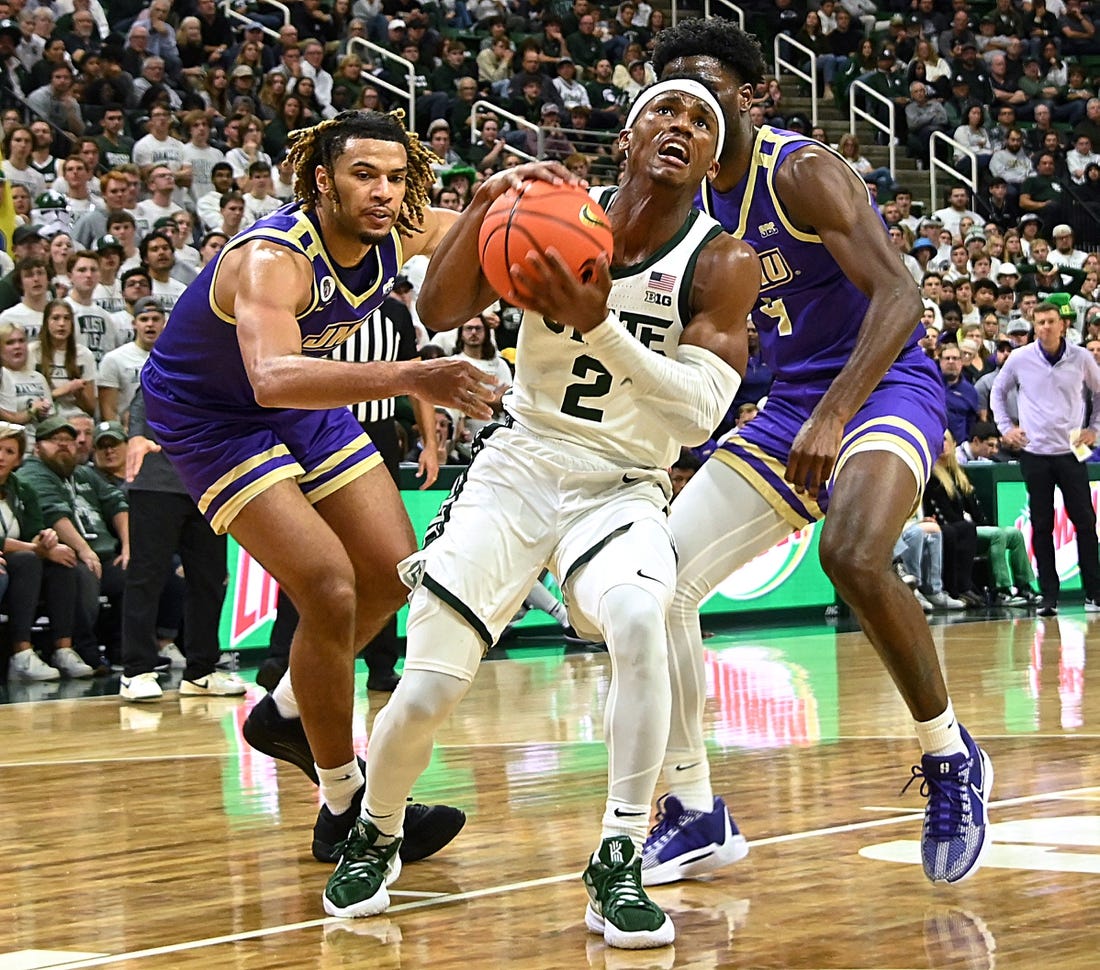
324 143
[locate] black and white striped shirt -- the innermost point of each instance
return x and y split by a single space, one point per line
388 334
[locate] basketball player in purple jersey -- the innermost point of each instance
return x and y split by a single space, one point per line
257 426
852 425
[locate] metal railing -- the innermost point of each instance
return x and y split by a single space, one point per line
518 122
737 12
281 6
383 57
887 128
1084 219
935 164
792 68
231 14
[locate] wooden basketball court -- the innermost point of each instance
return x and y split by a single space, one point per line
153 837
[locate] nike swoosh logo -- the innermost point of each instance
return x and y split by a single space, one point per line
619 813
698 858
645 576
686 767
344 778
631 479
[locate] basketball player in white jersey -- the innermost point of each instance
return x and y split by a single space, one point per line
611 377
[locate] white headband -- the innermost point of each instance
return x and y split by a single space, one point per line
683 86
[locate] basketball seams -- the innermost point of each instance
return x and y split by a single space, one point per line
535 217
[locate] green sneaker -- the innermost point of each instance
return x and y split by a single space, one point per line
617 904
358 886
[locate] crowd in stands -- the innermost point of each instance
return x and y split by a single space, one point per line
1019 63
139 137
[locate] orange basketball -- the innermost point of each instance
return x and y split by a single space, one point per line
538 215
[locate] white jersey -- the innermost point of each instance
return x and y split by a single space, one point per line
562 391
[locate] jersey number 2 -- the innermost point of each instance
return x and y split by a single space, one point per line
571 403
778 312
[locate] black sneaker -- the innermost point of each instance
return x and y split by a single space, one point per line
270 673
266 730
329 831
428 828
1047 608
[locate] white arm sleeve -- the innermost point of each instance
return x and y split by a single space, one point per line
689 394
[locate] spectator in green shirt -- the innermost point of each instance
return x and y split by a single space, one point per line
89 516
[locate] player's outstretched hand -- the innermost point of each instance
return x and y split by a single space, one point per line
512 178
455 383
813 453
546 284
138 447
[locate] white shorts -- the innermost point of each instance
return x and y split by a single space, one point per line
526 504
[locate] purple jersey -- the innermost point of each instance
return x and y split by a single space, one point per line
809 316
199 400
197 356
808 313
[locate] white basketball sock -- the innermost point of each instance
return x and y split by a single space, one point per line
283 695
619 818
941 735
339 785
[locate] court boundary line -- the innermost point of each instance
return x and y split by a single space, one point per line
443 899
138 759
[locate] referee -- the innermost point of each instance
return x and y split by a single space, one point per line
387 335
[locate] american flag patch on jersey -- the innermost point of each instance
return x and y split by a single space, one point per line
661 281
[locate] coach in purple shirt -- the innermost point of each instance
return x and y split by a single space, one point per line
1049 375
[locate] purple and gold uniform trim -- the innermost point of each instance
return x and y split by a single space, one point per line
765 474
345 465
221 502
763 462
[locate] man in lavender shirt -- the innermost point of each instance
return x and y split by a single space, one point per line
1049 375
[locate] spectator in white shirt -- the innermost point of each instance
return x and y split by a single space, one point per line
123 227
161 183
16 166
184 225
183 270
158 253
160 148
313 53
120 371
200 154
259 200
78 192
208 206
956 210
32 281
252 135
1080 157
1064 255
283 179
94 327
232 214
68 365
109 292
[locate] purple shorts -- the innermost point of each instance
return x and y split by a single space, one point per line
905 415
226 459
